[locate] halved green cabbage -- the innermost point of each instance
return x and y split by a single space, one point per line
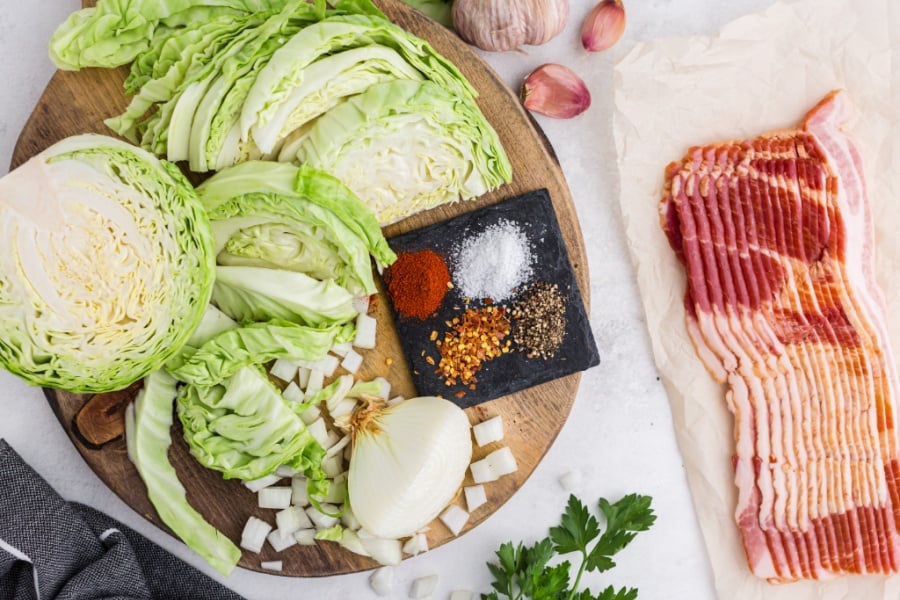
405 146
107 267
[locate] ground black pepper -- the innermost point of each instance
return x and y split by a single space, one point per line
539 320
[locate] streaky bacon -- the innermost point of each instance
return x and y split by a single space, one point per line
782 306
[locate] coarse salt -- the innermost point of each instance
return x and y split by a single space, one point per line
493 263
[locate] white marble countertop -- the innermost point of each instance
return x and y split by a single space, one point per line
619 435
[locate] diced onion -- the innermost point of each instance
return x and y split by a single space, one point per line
350 540
319 431
284 370
274 497
386 551
331 438
454 518
493 466
272 565
488 431
416 544
280 540
305 537
254 534
475 496
339 446
349 520
502 461
482 472
385 387
570 480
382 580
327 365
314 382
342 349
255 485
310 414
352 361
320 519
292 393
332 465
302 377
365 332
361 304
291 519
423 587
345 384
337 490
298 492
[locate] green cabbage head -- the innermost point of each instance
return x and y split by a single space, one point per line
106 265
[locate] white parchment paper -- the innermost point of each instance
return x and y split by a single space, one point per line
762 72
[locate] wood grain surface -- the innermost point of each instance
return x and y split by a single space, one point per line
78 102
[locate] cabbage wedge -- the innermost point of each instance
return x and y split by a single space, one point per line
114 32
281 216
107 268
245 429
403 147
286 70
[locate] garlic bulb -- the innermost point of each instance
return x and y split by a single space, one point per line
407 463
507 24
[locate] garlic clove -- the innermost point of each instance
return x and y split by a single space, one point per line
555 91
603 26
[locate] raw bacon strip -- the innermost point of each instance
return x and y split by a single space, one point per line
782 307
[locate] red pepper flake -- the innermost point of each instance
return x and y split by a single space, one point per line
474 339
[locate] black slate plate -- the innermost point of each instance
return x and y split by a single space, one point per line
533 213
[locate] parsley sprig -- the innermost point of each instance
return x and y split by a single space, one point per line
524 572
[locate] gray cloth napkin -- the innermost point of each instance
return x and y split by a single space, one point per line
50 548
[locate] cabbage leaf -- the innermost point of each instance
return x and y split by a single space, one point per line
260 294
255 344
148 436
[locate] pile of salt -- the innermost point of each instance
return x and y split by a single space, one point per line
493 263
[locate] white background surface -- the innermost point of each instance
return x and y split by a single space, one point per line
618 437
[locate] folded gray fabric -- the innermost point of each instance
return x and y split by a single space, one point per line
50 548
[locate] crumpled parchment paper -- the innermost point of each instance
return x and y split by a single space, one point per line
762 72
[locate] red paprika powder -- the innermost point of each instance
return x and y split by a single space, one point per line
417 283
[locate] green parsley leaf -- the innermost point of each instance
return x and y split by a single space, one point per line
577 529
624 519
524 572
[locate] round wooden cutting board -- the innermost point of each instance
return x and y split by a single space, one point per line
76 103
